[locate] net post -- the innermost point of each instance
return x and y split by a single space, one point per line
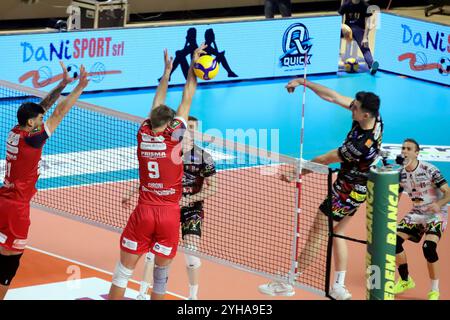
298 192
381 223
330 232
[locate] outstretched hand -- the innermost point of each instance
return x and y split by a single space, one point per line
66 77
287 174
199 52
168 62
294 83
83 80
126 202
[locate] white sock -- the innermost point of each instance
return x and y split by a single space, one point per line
435 285
339 278
193 290
144 287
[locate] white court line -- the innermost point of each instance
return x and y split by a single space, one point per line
91 267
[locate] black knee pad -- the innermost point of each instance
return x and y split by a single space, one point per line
429 251
399 245
8 268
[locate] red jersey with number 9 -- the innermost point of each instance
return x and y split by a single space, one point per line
160 163
23 155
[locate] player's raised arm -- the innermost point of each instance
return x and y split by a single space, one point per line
161 91
53 95
190 86
65 105
322 91
328 158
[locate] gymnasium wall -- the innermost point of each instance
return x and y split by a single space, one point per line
18 9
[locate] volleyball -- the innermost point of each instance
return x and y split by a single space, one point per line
444 66
351 65
206 67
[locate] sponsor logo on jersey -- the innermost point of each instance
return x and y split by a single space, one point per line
368 143
360 188
20 244
153 154
357 196
162 249
11 149
13 139
148 138
3 238
188 190
354 150
156 185
174 123
167 192
377 130
10 156
127 243
153 146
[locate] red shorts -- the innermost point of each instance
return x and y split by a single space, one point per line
14 224
152 228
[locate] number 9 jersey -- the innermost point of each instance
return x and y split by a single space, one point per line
160 163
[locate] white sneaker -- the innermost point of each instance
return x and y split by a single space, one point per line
340 293
143 297
277 289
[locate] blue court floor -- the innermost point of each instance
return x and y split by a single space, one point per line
409 107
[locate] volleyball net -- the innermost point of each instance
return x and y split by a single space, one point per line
251 223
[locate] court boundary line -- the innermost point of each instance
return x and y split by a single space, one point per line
54 255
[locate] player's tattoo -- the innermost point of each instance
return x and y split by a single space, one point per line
52 96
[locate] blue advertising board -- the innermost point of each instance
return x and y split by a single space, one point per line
133 57
415 48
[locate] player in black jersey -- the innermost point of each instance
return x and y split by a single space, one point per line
359 150
199 183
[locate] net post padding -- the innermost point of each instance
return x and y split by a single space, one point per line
381 222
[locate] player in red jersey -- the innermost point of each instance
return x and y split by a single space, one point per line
23 155
154 224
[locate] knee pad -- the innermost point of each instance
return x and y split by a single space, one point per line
429 251
192 262
121 276
160 277
399 245
8 268
150 257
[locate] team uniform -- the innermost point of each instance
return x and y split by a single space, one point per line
358 152
355 18
422 186
198 165
23 156
154 224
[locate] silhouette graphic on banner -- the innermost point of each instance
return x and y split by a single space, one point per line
189 47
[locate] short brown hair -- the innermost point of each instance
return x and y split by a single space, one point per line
414 142
161 115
